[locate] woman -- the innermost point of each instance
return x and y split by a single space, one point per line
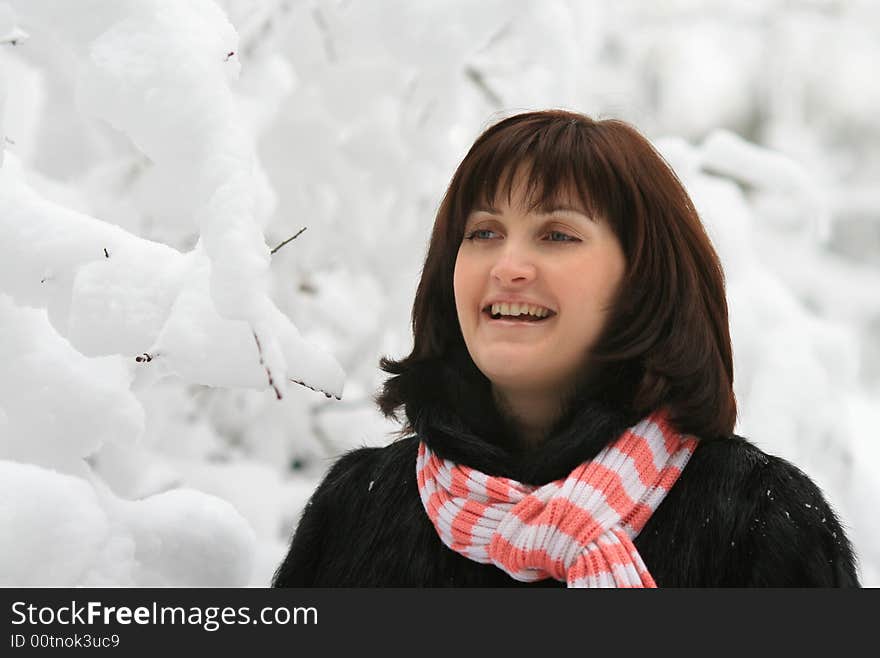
568 401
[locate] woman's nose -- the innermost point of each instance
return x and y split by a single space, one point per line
513 265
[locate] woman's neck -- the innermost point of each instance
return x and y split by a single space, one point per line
532 414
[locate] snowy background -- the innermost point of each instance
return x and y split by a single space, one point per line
155 152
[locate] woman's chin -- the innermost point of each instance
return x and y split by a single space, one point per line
510 374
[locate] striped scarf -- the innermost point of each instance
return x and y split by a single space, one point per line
578 529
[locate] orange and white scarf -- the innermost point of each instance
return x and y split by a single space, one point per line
578 529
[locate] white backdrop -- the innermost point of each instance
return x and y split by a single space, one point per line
154 152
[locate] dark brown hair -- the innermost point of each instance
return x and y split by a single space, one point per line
667 340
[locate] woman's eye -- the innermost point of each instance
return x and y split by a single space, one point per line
488 234
479 234
559 236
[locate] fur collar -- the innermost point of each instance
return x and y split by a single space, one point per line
449 405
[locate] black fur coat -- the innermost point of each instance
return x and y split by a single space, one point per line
735 517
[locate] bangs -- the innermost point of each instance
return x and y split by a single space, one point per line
554 160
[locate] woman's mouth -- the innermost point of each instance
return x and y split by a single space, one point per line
516 314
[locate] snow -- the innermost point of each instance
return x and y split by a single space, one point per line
88 537
153 152
9 30
60 406
81 297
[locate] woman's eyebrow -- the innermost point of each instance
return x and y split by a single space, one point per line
540 210
559 207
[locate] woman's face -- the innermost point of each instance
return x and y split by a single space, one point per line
559 260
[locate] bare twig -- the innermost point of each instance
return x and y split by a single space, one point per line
476 76
296 235
329 47
317 390
265 367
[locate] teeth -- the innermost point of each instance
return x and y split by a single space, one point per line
519 309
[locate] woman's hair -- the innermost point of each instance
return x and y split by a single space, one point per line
666 341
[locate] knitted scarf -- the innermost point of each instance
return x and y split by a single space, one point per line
578 529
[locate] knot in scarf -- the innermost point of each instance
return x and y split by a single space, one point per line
579 529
